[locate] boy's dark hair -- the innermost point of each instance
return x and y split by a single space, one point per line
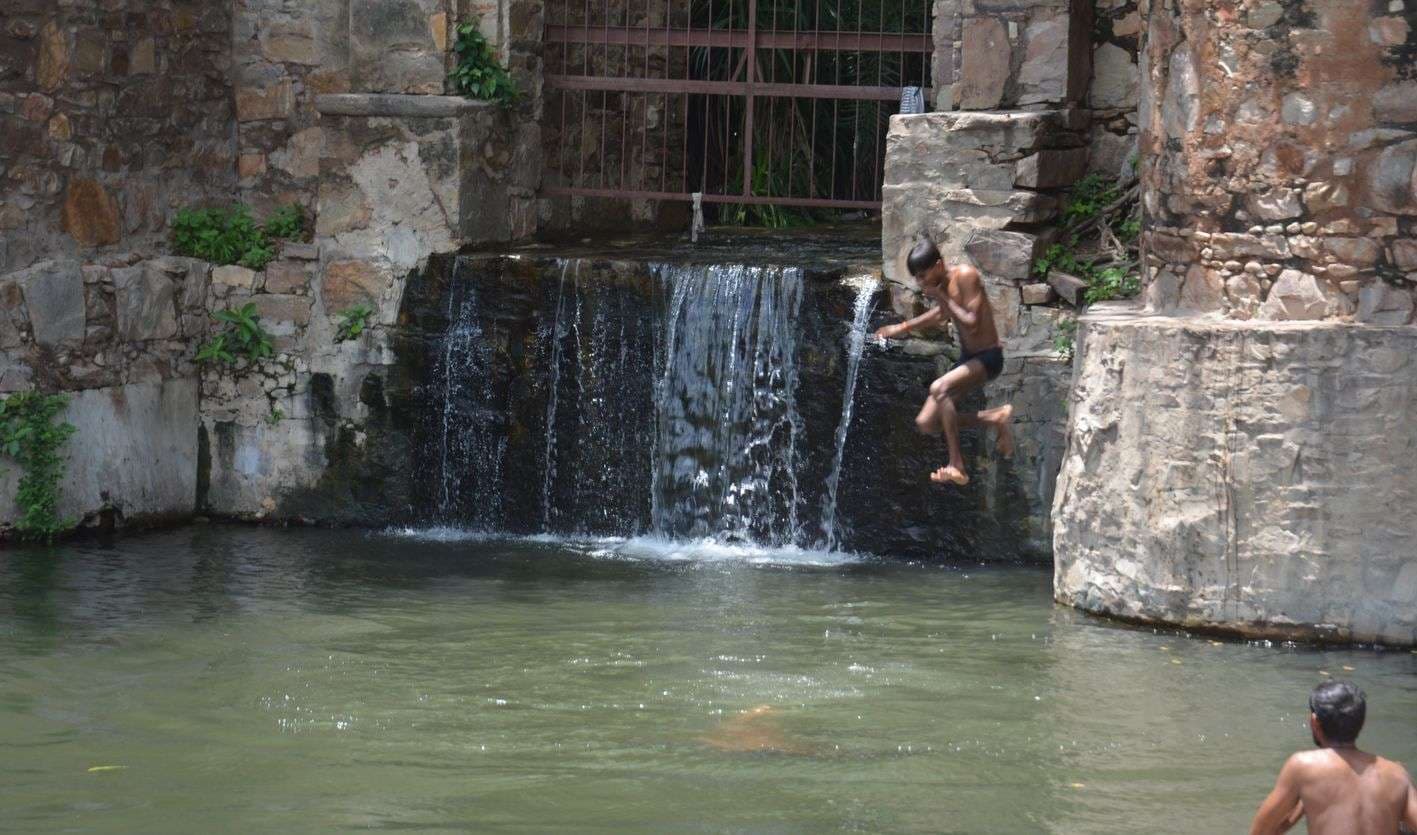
1341 708
922 257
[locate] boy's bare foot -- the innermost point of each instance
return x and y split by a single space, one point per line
1005 443
949 475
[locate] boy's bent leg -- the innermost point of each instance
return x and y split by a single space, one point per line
959 381
928 421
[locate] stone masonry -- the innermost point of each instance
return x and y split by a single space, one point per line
111 116
113 120
1244 476
1279 147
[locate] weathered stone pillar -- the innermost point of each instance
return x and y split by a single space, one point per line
1254 477
1279 160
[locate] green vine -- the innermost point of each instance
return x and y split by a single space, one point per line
478 75
243 338
29 435
353 322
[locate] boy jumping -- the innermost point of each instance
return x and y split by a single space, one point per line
959 291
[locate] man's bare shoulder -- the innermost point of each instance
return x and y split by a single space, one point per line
1395 771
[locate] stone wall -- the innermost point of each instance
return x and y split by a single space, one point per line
111 115
1115 90
1011 54
1244 476
1278 151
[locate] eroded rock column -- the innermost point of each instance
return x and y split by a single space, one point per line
1279 158
1245 476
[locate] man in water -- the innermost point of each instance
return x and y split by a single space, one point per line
1337 787
959 292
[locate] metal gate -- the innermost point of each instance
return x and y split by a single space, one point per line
758 103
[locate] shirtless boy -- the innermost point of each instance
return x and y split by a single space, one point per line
1341 790
959 292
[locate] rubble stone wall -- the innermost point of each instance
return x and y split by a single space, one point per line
1253 477
111 116
1279 158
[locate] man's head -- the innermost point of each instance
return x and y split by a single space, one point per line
925 264
1337 710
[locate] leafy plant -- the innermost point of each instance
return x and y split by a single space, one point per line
232 236
353 322
1111 283
29 435
1088 197
1065 336
243 337
276 416
478 75
286 223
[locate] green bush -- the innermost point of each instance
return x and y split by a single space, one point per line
232 236
478 75
353 322
29 435
1111 283
243 337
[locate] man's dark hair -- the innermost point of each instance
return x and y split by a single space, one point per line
923 256
1341 708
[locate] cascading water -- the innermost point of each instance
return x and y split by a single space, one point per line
725 456
855 344
473 440
626 400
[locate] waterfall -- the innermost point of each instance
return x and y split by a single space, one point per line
608 398
855 344
558 336
472 434
727 422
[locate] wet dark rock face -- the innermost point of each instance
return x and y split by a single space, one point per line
493 349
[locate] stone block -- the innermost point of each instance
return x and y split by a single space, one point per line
1396 102
347 283
54 296
1044 74
1404 254
282 315
1116 78
300 251
1003 254
1275 204
258 104
393 48
1360 252
1070 287
52 67
1380 303
1051 169
1037 294
145 303
1300 296
90 214
287 277
1391 179
234 276
984 65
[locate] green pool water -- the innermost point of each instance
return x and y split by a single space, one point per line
245 680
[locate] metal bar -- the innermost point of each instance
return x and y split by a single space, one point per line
721 88
816 202
751 54
867 41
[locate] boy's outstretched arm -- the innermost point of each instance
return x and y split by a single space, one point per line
929 317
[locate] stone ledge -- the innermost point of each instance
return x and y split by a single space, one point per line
394 104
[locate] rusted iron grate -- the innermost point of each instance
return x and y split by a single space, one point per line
750 102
